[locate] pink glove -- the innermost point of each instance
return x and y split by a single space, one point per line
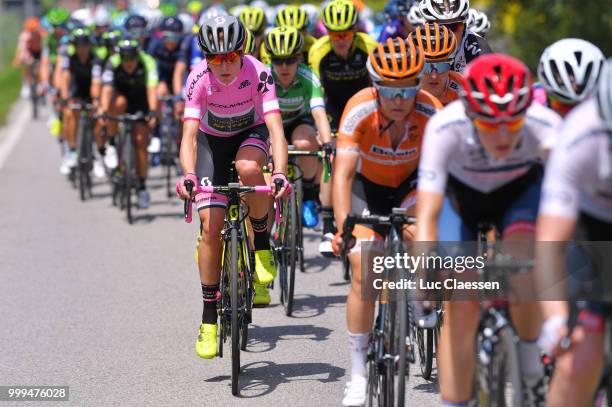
181 191
283 178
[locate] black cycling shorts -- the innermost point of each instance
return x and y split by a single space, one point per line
290 128
215 157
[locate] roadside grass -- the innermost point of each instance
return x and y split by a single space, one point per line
10 86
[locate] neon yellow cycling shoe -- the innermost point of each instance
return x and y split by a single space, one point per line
262 294
206 345
265 270
55 127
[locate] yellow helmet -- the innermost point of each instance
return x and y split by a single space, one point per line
292 16
249 43
340 15
254 18
284 42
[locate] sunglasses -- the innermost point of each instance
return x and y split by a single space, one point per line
171 36
560 106
439 67
512 125
218 59
454 26
404 93
286 61
342 35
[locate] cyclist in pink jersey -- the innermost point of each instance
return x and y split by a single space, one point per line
231 114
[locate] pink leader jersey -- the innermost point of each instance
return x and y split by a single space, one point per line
226 110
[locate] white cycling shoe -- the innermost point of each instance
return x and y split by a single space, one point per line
111 160
355 392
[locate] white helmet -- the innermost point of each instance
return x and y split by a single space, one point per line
446 11
102 18
414 15
84 16
187 21
212 12
569 69
311 11
478 22
604 94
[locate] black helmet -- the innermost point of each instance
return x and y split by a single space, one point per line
128 47
221 34
111 38
80 36
135 22
171 24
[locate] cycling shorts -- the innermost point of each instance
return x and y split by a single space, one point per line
374 199
290 128
511 207
215 158
135 103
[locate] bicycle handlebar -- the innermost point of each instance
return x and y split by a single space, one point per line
232 187
292 152
398 217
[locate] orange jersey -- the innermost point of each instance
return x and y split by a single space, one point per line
360 132
451 93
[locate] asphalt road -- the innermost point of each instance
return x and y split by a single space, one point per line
112 310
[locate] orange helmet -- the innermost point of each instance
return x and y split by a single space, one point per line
439 43
395 60
31 24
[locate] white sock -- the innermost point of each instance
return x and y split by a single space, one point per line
531 360
358 344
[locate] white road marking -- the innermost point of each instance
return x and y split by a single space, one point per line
14 132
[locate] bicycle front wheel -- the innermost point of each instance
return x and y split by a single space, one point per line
128 176
235 311
290 242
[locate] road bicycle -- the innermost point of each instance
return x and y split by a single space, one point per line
85 139
125 180
235 306
288 237
391 346
168 133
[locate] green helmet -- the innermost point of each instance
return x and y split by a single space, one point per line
58 16
254 18
292 16
340 15
284 42
168 9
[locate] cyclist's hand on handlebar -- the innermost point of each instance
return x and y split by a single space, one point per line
152 121
338 244
328 150
279 180
181 189
553 330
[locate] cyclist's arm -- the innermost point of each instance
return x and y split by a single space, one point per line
96 82
45 68
345 166
189 148
437 149
320 117
177 79
65 77
57 77
108 78
274 123
152 81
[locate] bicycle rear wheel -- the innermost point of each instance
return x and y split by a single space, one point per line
235 311
247 286
425 343
399 342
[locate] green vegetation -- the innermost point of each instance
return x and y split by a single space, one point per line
523 28
10 78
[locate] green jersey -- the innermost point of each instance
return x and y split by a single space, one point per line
303 96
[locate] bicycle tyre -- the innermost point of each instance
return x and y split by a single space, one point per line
34 99
299 224
400 346
292 235
81 159
390 339
425 338
127 176
235 311
247 287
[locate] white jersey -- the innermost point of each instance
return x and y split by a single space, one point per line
451 146
579 173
